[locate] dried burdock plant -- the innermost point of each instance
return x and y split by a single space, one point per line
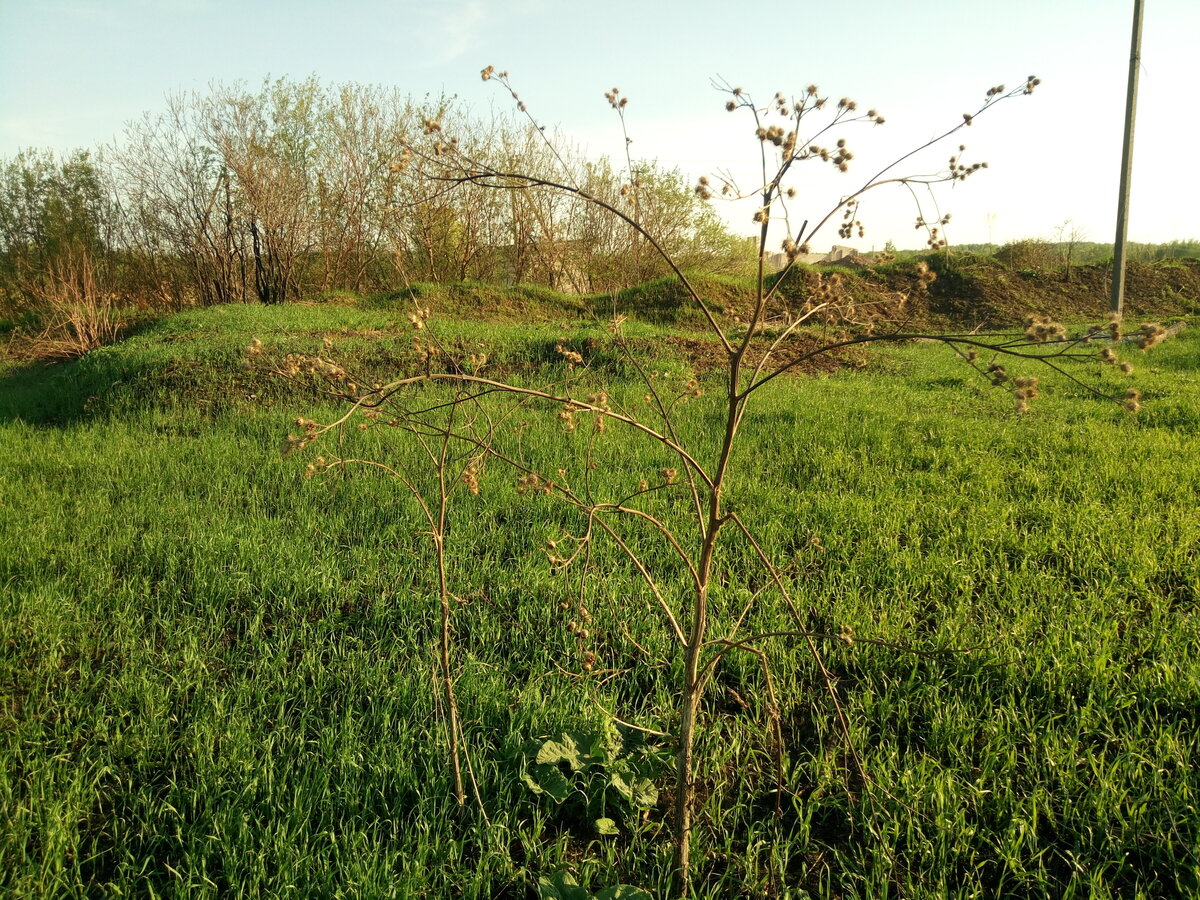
790 133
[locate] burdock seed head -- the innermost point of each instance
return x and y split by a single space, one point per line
1150 334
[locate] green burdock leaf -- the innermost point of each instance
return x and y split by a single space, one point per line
606 826
645 794
623 892
556 785
640 792
566 750
561 886
622 785
528 781
547 780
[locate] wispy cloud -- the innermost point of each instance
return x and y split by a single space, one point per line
452 32
180 6
62 129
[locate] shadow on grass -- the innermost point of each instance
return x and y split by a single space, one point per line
111 380
57 394
61 393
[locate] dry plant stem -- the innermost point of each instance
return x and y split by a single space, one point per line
776 726
439 542
693 678
664 414
540 130
634 183
676 630
662 529
787 332
749 604
874 180
629 725
1015 349
437 531
474 781
771 192
445 489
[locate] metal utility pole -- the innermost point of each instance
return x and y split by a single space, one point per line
1117 297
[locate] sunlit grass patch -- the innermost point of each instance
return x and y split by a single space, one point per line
215 673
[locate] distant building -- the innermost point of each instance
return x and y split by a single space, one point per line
838 253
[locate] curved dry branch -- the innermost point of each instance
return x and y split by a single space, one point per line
569 496
487 177
874 181
1007 349
389 390
662 529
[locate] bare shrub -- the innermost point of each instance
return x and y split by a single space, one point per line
1030 253
77 314
681 506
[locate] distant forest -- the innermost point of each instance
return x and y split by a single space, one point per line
1080 253
298 190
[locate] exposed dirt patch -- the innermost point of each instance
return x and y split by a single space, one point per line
990 295
964 297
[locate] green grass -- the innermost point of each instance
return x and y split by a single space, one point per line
662 301
216 675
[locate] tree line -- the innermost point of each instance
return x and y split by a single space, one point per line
297 188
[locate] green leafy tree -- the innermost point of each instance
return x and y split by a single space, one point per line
50 208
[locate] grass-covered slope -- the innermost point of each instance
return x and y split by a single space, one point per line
215 675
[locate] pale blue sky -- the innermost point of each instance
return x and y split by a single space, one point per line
72 72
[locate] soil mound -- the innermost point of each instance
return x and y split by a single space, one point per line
989 295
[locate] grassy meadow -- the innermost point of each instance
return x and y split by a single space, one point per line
217 676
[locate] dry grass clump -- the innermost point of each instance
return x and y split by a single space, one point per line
80 314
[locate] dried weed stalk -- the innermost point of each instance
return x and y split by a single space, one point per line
791 132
